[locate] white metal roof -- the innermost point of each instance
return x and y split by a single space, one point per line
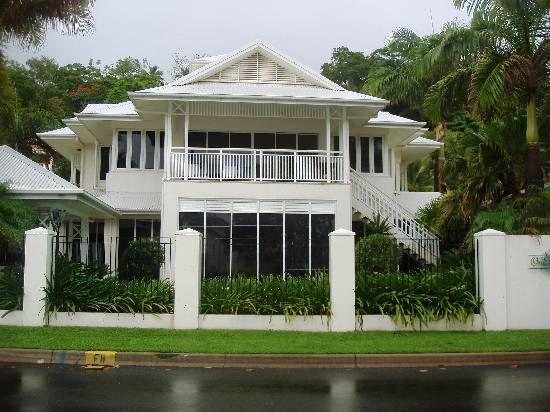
63 132
422 141
22 174
259 90
386 117
130 201
110 108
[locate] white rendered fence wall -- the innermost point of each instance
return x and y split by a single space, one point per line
514 280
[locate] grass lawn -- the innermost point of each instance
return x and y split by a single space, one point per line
204 341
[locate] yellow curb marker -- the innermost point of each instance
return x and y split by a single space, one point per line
100 359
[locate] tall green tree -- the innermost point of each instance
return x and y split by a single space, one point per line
512 65
347 68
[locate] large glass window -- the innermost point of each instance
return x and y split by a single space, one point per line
217 240
243 243
104 161
122 144
218 139
297 243
264 140
241 140
271 243
286 141
307 142
255 243
132 229
161 150
197 139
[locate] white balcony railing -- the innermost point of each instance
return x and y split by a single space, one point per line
256 165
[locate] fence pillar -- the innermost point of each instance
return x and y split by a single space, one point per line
38 266
187 279
490 248
342 280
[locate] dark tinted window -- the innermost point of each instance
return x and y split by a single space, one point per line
197 139
241 140
150 149
378 155
352 152
244 236
286 141
321 226
122 143
264 140
271 243
161 150
136 150
104 158
297 243
365 155
307 142
218 139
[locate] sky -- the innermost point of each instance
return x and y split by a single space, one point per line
307 30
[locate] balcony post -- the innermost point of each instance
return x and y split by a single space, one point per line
345 135
168 143
186 142
327 137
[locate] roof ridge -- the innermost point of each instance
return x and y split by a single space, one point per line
42 170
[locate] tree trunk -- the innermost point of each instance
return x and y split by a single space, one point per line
533 166
439 159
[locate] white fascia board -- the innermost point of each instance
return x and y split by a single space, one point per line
77 194
396 124
259 99
120 117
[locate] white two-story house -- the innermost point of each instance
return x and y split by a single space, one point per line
261 154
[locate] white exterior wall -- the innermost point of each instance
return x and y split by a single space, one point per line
173 191
129 180
415 200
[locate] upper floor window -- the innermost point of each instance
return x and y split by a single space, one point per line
104 162
290 141
140 149
367 154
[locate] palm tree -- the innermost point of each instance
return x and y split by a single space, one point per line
512 63
27 20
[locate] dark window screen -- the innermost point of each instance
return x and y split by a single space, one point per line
136 150
150 149
378 155
104 157
365 155
352 152
122 143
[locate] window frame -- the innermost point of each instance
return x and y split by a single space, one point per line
253 141
99 181
358 148
142 155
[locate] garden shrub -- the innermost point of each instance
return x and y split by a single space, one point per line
141 260
418 298
11 288
77 287
377 253
271 295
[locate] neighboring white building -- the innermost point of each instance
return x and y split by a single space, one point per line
258 152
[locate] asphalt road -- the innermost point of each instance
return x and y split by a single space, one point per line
58 388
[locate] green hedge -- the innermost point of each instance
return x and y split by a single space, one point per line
11 288
76 287
271 295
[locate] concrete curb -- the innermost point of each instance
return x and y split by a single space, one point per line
351 361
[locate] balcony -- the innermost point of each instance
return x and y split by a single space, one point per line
256 165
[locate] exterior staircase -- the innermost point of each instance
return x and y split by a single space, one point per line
416 238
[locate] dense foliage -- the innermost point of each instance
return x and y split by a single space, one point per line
418 298
377 253
11 288
141 260
76 287
271 295
15 217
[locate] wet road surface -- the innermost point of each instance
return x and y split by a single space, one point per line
59 388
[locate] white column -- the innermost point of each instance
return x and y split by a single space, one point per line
186 142
328 138
85 236
342 280
38 270
110 234
187 279
490 248
344 133
168 141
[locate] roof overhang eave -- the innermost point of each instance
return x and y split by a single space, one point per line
100 116
258 99
396 124
79 194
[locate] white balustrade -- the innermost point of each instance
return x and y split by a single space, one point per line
256 165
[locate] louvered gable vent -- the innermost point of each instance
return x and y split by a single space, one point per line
257 68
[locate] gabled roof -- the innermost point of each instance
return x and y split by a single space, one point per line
22 174
264 49
422 141
279 77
